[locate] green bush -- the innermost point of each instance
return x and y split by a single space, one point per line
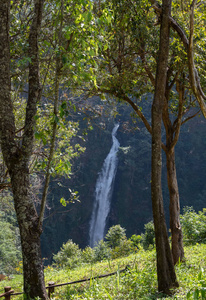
101 251
193 225
10 245
125 248
88 255
148 238
10 250
115 235
69 256
136 241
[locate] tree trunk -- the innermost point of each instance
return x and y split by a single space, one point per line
27 217
175 226
165 266
17 155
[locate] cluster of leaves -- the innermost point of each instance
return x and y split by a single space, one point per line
69 256
65 147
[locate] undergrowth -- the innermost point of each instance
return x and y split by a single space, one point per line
139 281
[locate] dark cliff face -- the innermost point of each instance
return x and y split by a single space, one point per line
131 199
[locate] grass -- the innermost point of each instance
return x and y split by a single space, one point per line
139 281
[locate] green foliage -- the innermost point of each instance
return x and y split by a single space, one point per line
66 150
10 249
10 253
116 246
199 290
136 241
101 251
139 281
123 249
69 256
88 255
194 226
148 238
115 235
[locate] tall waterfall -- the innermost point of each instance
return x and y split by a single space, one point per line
103 192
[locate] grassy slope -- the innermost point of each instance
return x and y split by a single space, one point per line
138 282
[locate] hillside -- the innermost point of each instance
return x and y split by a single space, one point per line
137 282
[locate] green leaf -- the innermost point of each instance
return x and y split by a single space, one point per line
56 119
63 201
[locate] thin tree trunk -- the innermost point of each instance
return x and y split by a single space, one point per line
172 134
175 226
54 126
165 266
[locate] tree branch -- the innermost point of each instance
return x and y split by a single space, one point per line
194 78
178 121
188 44
54 128
34 81
7 122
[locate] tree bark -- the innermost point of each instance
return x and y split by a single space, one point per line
175 226
165 266
34 285
172 135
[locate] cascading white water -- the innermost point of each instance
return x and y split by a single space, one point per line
103 192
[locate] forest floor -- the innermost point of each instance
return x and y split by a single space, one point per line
138 281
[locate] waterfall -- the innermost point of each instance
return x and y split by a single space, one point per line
103 192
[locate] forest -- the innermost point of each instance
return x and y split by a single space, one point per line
102 149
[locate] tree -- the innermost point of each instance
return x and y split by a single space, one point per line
22 61
129 73
165 268
121 56
126 72
115 235
17 156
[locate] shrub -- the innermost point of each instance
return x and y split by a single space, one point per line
10 251
194 226
69 256
148 238
125 248
136 241
101 251
115 235
88 255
